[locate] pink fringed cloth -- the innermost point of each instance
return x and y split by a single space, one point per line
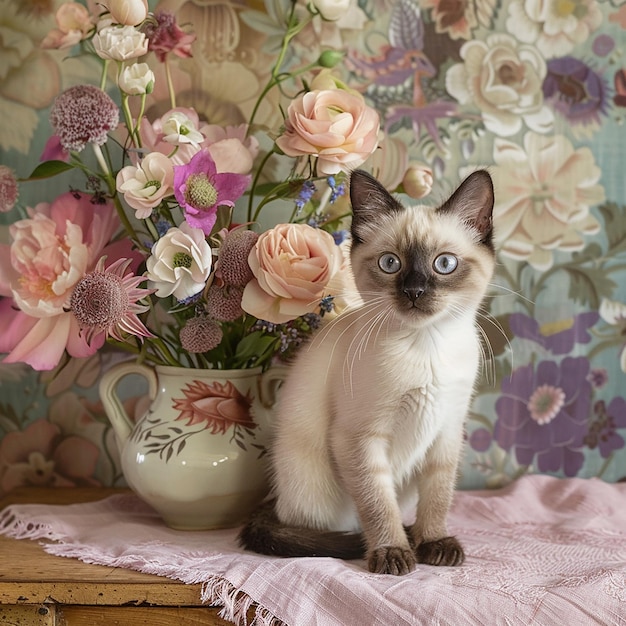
541 551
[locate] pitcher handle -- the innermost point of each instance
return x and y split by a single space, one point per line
270 382
107 388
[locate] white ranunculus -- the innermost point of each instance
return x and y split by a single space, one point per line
144 186
119 43
332 10
180 263
179 128
136 79
129 12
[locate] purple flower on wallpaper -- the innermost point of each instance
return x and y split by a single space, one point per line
543 414
480 440
602 429
576 91
559 337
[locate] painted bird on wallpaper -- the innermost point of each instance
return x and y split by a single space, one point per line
393 77
390 73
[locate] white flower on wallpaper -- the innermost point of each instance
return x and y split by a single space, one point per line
503 78
614 313
554 26
544 190
29 77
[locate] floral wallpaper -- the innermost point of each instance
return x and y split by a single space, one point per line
535 92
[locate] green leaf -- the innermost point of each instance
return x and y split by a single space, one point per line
589 285
48 169
615 226
256 347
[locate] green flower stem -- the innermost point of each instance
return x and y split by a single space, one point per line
275 195
170 84
102 161
126 222
605 465
137 134
133 129
108 177
255 182
103 77
293 28
607 344
165 352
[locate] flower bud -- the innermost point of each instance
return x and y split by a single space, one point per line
330 58
8 189
418 180
331 10
136 79
128 12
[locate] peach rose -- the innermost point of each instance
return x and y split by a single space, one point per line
292 266
335 125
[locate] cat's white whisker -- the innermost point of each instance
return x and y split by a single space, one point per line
509 292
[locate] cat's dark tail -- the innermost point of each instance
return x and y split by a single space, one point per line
265 534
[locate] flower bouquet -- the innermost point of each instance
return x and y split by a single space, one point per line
158 252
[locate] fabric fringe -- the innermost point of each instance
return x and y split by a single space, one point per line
218 591
16 528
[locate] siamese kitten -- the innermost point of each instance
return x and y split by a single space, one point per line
370 424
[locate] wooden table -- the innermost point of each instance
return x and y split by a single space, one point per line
38 589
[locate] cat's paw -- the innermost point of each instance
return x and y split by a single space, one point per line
444 551
391 560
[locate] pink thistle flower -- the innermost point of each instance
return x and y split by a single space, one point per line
233 266
83 114
200 334
166 36
200 190
8 189
106 301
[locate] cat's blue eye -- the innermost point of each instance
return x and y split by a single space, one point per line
389 263
445 264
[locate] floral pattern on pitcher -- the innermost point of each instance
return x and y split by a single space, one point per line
219 407
216 407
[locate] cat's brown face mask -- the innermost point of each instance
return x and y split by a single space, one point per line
425 261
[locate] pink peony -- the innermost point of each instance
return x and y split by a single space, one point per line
41 455
54 151
335 125
231 148
292 266
50 253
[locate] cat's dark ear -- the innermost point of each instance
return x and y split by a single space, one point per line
473 202
369 201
